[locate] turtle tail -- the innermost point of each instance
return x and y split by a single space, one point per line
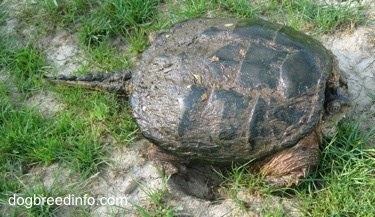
117 82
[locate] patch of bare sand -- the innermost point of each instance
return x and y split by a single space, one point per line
132 176
62 52
355 52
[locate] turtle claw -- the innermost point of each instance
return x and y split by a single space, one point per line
291 179
169 164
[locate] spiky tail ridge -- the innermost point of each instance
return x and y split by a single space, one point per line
117 82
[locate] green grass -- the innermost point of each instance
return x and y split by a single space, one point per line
27 135
35 187
27 65
309 15
344 182
75 136
240 8
56 14
158 202
71 138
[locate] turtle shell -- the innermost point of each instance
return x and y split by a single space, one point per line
230 90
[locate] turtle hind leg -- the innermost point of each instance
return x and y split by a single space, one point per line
285 168
112 82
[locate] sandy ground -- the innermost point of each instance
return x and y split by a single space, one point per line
130 175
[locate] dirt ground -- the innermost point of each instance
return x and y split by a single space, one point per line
355 51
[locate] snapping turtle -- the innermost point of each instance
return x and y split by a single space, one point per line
218 91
